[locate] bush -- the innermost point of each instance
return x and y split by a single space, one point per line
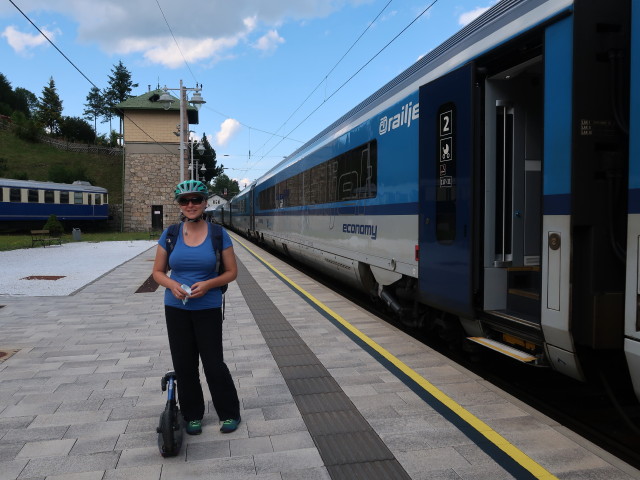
25 128
54 226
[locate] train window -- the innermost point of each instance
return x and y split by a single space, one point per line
14 195
318 184
98 199
77 198
32 196
349 176
48 196
64 197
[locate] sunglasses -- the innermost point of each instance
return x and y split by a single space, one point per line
194 200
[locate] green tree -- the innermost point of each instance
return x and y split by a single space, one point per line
94 107
26 102
208 159
25 128
7 96
119 89
76 129
222 183
50 108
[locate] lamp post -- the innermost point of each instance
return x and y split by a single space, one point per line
196 101
194 168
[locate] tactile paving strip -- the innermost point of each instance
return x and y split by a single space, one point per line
348 445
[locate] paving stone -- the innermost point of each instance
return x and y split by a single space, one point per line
71 464
46 448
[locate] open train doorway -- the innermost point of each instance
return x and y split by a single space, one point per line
513 137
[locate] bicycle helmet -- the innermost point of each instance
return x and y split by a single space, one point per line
191 186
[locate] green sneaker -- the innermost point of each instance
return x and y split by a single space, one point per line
230 425
194 427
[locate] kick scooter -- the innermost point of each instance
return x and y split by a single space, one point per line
170 427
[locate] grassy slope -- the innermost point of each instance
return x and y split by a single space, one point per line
35 159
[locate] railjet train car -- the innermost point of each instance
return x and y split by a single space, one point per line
484 190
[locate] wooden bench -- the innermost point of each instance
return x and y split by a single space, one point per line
43 238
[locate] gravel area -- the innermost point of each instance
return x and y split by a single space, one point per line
60 270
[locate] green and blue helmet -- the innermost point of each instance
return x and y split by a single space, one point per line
191 187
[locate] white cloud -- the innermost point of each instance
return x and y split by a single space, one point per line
269 42
228 129
468 17
22 43
208 30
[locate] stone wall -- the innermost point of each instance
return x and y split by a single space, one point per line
150 180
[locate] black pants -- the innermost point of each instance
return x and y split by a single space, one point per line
197 334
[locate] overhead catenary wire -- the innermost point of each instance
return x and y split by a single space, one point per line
323 81
350 78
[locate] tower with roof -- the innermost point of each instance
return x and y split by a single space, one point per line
151 160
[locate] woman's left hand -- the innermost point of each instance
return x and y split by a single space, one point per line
199 289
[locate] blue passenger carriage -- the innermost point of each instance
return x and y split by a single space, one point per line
30 202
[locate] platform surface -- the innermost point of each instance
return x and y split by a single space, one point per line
327 392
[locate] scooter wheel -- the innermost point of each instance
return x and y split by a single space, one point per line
168 447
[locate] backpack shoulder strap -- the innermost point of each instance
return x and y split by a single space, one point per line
216 236
172 237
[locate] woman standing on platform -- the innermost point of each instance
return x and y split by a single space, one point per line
193 310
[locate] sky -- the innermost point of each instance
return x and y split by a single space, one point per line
274 73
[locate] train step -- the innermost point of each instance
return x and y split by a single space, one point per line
504 349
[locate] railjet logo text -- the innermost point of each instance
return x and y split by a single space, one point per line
368 230
407 114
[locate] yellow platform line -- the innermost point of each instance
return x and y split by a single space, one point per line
494 437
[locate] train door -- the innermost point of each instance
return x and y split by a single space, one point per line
632 297
156 217
332 181
513 106
446 157
252 217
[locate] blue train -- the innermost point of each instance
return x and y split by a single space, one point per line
493 188
25 203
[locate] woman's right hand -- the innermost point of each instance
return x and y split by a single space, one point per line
177 291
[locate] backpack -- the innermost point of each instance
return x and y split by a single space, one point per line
215 232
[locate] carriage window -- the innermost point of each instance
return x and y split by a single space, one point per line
98 199
32 196
77 198
48 196
14 195
64 197
350 176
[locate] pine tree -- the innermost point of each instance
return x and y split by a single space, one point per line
119 89
94 107
208 159
50 108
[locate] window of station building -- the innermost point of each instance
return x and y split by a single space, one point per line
48 196
14 195
64 197
349 176
77 198
32 196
